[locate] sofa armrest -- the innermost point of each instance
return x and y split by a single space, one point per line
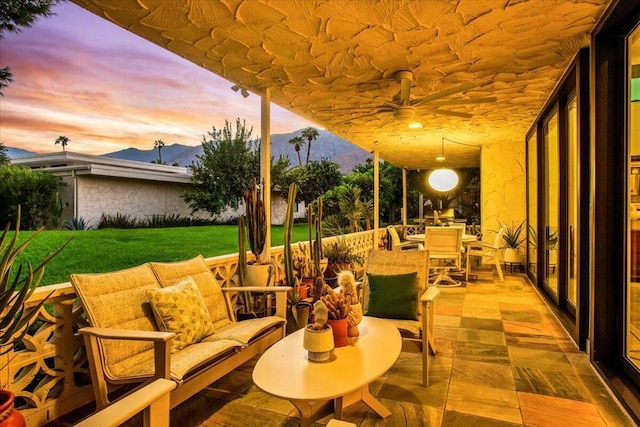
153 399
127 334
280 291
161 347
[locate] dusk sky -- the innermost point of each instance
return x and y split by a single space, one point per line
106 89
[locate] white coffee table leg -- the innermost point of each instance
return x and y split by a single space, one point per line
361 394
311 411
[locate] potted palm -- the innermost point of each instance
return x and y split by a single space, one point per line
513 237
16 287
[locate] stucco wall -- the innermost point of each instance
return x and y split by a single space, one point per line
502 189
139 199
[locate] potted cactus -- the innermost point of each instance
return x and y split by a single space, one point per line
310 262
340 257
15 317
258 270
298 305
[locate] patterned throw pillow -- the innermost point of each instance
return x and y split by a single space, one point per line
180 308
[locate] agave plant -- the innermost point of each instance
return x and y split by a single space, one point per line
15 290
512 236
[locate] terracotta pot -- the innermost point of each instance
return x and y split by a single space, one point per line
9 416
340 336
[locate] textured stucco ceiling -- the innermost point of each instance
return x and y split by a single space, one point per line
322 60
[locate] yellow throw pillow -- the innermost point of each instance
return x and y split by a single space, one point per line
180 308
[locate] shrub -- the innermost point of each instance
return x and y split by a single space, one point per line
34 190
117 221
77 223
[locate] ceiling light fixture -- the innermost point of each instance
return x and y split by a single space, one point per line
244 92
443 179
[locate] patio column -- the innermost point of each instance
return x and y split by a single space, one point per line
376 197
265 163
404 198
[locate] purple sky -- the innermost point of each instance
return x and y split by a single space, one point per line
106 89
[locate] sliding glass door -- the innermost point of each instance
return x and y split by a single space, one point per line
551 207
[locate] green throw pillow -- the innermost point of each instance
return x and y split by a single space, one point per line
393 296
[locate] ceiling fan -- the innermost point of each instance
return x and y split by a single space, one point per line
402 107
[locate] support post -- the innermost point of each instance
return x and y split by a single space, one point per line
376 198
265 164
404 198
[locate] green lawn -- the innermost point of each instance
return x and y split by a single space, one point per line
95 251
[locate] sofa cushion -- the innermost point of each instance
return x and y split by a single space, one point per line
118 300
171 273
180 308
243 332
183 363
392 296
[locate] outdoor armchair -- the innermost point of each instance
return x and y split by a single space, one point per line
416 323
489 253
399 245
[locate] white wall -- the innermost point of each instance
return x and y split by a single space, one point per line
503 186
139 199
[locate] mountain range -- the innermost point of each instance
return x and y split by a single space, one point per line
327 145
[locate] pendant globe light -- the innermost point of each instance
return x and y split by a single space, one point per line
443 179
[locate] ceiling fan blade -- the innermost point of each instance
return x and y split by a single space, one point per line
386 120
359 117
364 107
451 113
461 88
390 104
462 101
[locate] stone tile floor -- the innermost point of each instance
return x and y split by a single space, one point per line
503 360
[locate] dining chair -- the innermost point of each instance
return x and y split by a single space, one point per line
399 245
488 252
444 245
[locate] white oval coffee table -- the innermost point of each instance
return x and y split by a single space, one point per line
284 371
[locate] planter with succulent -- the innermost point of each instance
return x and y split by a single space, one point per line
513 237
16 287
318 336
340 257
297 305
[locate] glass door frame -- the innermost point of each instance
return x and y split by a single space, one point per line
609 157
575 82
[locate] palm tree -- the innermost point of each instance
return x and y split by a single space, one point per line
62 140
158 143
297 142
311 134
351 207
